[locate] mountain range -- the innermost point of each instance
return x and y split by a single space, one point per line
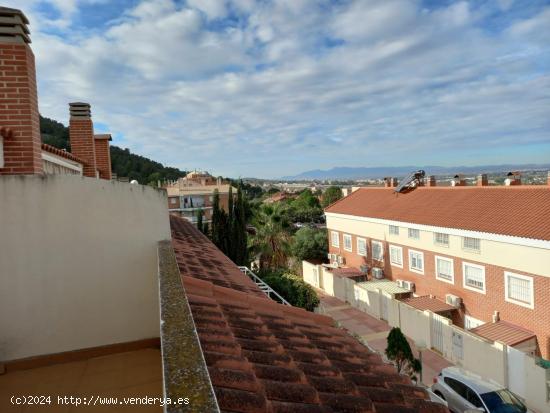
353 173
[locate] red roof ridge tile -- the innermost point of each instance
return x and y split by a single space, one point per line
63 153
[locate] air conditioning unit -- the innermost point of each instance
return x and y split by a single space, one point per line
329 256
377 273
400 283
408 285
453 300
341 260
364 269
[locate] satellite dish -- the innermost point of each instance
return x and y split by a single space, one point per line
134 182
410 182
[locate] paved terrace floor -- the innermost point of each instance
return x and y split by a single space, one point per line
375 331
131 374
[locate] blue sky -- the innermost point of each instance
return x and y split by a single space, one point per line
271 88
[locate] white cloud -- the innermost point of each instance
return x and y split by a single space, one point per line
271 95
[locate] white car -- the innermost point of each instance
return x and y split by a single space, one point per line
466 392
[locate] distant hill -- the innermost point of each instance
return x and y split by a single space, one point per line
349 173
124 163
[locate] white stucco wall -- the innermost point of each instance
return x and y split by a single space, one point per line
78 263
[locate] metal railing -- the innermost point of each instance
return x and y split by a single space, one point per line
270 292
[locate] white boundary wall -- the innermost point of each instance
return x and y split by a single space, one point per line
467 350
78 263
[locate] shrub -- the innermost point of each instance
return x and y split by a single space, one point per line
292 288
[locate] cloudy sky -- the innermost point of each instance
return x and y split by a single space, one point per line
275 87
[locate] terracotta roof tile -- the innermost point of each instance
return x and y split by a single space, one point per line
62 153
426 302
199 258
266 357
508 210
503 331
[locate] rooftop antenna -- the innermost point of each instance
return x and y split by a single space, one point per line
410 182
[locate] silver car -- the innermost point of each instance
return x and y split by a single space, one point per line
465 392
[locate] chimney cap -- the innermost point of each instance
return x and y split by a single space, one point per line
80 110
106 136
13 26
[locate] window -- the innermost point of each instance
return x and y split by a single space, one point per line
416 261
347 242
474 277
173 201
335 239
396 256
441 239
362 246
444 270
377 251
471 244
458 387
394 230
518 289
414 233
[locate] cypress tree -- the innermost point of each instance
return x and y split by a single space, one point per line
231 247
215 225
200 213
239 230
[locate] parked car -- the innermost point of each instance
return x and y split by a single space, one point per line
465 392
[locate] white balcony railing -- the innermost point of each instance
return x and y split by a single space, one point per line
270 292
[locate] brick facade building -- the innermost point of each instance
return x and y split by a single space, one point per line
488 246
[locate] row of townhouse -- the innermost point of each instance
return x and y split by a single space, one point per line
486 250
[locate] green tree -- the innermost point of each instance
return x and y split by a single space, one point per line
292 288
310 243
215 235
399 352
238 230
271 243
331 195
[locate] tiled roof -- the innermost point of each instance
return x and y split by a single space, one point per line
503 331
62 153
347 272
266 357
198 257
385 285
520 211
426 302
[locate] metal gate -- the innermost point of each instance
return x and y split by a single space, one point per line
384 307
437 332
458 347
516 371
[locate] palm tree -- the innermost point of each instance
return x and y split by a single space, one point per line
272 239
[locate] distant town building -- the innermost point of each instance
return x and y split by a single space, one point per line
195 192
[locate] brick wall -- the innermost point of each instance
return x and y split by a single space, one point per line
477 305
103 158
19 110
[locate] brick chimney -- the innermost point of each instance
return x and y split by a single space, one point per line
482 180
458 180
513 178
20 141
81 134
430 181
103 155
